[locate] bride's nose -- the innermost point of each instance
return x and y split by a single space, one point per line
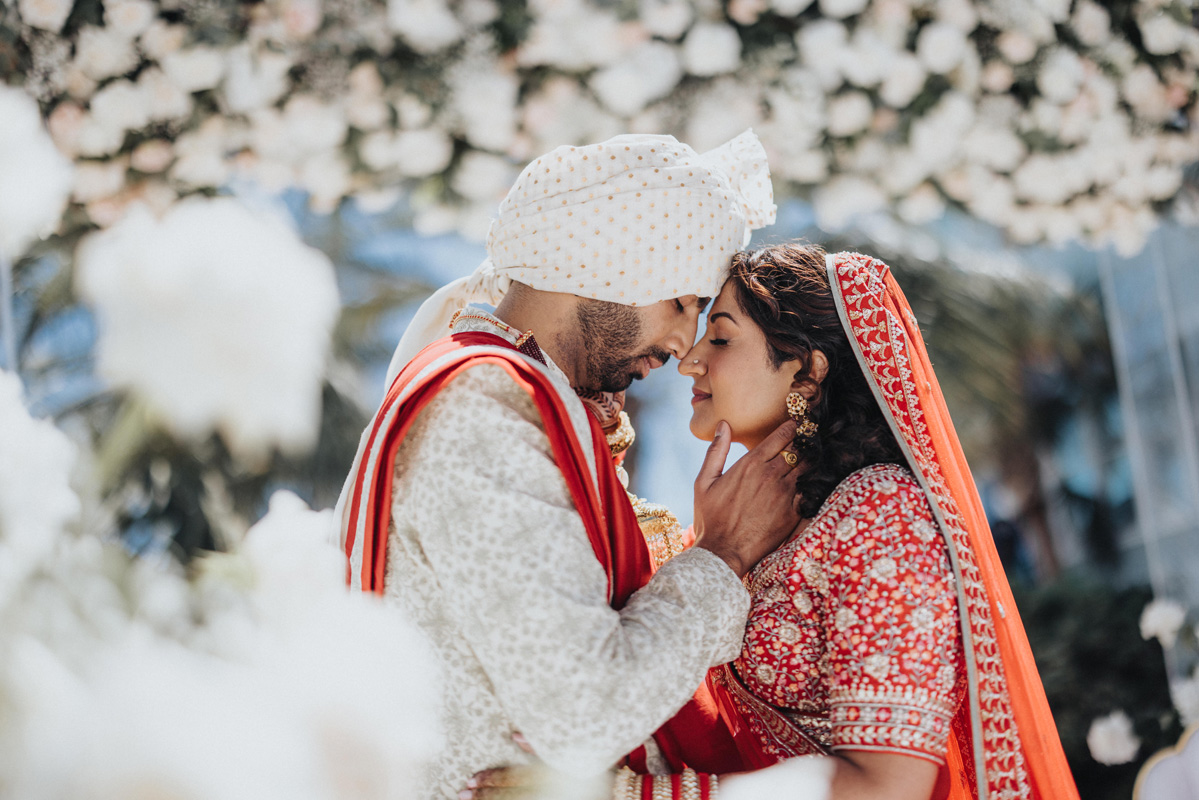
691 365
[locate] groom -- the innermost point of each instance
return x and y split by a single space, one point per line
484 501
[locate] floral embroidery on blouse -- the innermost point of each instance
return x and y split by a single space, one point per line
854 629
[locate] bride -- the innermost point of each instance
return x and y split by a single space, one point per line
882 634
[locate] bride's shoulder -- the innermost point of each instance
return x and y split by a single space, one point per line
873 485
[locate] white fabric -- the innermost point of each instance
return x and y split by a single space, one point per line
488 555
633 220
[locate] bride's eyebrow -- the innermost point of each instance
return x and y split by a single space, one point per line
713 317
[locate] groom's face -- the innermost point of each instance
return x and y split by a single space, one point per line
622 343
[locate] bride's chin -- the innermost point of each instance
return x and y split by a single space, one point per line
700 432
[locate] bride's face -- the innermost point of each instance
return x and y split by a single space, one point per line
734 379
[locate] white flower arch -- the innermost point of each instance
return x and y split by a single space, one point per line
1054 120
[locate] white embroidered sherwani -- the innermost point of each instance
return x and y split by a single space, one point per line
488 555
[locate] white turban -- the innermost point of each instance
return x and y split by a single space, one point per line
634 220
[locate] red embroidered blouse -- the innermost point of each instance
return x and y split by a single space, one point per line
854 632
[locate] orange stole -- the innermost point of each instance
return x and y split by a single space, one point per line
607 515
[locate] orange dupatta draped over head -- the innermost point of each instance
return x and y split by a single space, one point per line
1004 742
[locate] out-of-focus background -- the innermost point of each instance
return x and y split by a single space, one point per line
217 217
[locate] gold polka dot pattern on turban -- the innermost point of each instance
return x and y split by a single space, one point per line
633 220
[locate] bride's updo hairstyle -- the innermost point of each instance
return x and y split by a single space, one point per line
784 289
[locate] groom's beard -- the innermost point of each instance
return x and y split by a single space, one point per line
609 334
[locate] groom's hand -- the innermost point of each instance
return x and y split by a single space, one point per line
745 513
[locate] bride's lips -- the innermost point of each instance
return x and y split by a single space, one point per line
698 396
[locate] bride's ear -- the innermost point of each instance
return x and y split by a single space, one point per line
817 373
819 366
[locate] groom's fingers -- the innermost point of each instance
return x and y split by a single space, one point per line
773 445
714 459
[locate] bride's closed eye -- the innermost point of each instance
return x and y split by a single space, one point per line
719 342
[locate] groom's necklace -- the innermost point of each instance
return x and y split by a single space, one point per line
525 342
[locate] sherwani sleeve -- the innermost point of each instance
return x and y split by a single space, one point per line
584 683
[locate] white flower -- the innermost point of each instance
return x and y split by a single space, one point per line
922 206
573 37
1160 33
1061 76
646 74
163 99
721 112
936 137
1017 47
844 197
481 176
1092 23
102 53
425 25
904 81
840 9
96 140
869 58
161 39
667 18
486 104
120 105
711 48
195 69
35 179
994 146
326 178
49 15
293 552
958 13
1146 95
301 18
1185 694
241 312
95 180
822 44
1111 739
849 113
36 499
790 8
254 79
200 156
130 18
1162 619
997 77
65 124
152 155
941 47
422 153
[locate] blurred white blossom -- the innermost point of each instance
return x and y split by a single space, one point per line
1111 739
1162 619
36 498
219 317
648 73
35 180
104 52
426 25
711 48
195 69
49 15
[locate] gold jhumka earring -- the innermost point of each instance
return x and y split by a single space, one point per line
797 409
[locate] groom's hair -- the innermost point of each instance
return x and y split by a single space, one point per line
784 289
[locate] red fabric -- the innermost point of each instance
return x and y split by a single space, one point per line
608 516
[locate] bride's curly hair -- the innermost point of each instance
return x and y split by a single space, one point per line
785 290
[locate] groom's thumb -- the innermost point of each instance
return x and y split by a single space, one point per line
714 459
